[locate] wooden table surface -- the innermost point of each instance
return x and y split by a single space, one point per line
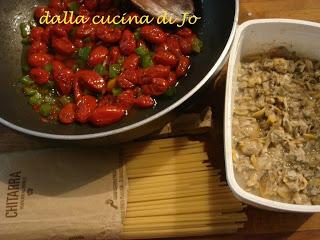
261 224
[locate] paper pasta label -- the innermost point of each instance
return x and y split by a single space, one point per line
62 194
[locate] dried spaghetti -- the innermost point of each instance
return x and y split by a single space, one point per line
175 192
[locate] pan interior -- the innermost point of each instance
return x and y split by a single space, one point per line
214 29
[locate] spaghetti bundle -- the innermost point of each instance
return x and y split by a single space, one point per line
174 192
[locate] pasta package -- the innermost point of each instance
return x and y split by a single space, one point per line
153 189
61 194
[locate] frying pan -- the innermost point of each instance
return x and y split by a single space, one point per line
216 29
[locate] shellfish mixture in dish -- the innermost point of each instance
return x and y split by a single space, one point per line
97 73
276 126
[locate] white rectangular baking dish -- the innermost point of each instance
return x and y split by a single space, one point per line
254 37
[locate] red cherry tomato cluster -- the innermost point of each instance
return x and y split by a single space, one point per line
103 70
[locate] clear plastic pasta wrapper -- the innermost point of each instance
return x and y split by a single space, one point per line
62 194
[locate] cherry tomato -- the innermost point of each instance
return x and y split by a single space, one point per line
172 79
153 34
78 43
91 80
184 64
85 107
128 79
57 67
185 32
163 47
58 5
174 46
78 76
157 87
85 31
77 92
131 62
60 58
39 59
107 100
40 11
97 56
158 71
134 17
40 76
126 99
59 31
144 101
68 27
70 63
186 45
67 114
46 35
53 12
63 46
114 55
165 58
128 43
108 34
36 34
91 4
83 11
38 47
63 78
106 115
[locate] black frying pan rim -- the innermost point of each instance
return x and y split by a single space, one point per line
218 65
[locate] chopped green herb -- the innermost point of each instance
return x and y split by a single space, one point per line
64 100
49 85
29 91
84 53
74 6
32 23
114 70
73 31
26 80
116 91
80 64
100 69
197 45
36 99
88 39
48 67
171 92
49 99
147 61
25 41
25 29
142 51
45 109
121 60
137 34
111 84
25 68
